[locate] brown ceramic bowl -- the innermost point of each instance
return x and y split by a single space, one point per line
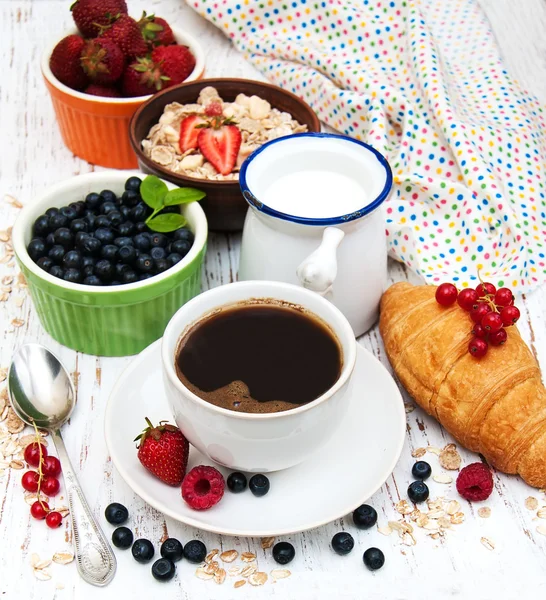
224 205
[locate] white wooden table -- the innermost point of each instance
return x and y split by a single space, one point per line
33 157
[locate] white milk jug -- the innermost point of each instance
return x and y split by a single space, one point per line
315 220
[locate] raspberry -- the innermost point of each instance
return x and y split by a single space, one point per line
214 109
475 482
203 487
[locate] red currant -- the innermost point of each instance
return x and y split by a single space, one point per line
504 297
477 347
478 331
32 453
509 315
491 322
51 466
486 288
467 299
479 312
30 481
39 510
498 338
446 294
50 486
54 519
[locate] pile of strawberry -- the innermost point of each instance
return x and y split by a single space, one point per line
116 56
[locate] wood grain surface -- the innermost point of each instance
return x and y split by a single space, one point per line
457 565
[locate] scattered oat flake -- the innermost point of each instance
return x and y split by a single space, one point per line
449 458
211 555
17 322
239 583
211 567
17 464
62 558
258 578
19 301
34 559
267 542
531 503
487 543
229 556
541 529
42 564
385 530
541 513
248 557
4 236
220 576
280 573
442 478
408 539
13 201
457 518
249 570
202 574
418 452
42 574
484 512
434 450
436 513
63 510
452 507
403 507
59 585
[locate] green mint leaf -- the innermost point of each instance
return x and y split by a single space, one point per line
183 196
166 222
153 191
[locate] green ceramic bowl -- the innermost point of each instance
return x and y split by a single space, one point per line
107 321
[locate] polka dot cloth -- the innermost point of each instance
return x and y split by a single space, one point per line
423 82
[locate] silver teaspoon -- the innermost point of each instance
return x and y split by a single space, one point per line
41 393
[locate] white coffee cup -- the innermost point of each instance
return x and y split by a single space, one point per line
256 442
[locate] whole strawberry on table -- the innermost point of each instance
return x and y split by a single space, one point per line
117 56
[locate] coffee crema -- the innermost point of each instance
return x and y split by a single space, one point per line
259 356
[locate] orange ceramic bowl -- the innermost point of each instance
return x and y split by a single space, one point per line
96 128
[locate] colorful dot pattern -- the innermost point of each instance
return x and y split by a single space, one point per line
423 82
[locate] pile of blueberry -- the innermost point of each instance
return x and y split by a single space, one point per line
104 240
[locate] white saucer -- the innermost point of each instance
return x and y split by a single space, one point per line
332 483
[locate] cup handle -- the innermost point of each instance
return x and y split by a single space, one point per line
319 270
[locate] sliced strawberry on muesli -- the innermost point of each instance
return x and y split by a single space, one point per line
190 127
220 146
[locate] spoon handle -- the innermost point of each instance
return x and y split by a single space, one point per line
94 557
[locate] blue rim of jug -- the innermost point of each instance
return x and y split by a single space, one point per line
254 202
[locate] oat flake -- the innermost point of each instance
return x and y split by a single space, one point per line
385 530
42 574
541 529
541 514
202 574
34 559
457 518
267 542
62 558
211 555
239 583
418 452
258 578
434 450
484 512
229 556
531 503
234 571
487 543
449 458
403 507
452 507
442 478
248 557
280 573
220 576
249 570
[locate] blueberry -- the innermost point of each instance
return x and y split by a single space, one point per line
181 247
78 207
51 212
172 549
141 227
418 491
36 248
115 218
130 198
163 569
91 221
56 253
94 200
133 184
119 269
72 259
102 222
79 238
108 207
45 263
88 261
342 543
104 269
144 276
116 513
91 246
69 212
145 263
125 212
115 282
57 221
122 537
129 276
143 550
365 516
73 275
79 225
41 226
127 228
64 237
127 255
159 239
259 485
50 240
195 551
109 196
183 234
236 482
283 552
141 241
174 258
57 271
88 271
161 264
123 241
110 252
157 252
374 559
421 470
104 235
139 212
92 280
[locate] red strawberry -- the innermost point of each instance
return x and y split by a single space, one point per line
177 62
189 132
163 450
125 32
220 146
65 62
156 31
102 60
96 89
91 15
143 77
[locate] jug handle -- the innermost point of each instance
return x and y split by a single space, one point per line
319 270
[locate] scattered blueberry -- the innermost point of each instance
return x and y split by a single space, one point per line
342 543
122 537
172 549
374 559
365 516
143 550
236 482
116 513
259 485
421 470
418 491
283 553
195 551
163 569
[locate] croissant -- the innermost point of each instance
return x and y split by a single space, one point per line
495 405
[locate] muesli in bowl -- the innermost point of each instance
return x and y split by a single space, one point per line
211 138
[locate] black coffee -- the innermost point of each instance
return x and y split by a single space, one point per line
259 357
